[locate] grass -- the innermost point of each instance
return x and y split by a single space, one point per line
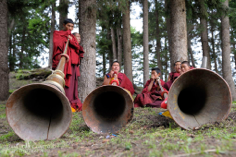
148 134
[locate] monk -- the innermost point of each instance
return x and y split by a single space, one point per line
151 95
74 55
173 75
115 77
185 66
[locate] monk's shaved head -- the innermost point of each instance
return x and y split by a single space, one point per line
157 70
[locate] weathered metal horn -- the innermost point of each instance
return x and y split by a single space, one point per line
197 97
107 109
41 111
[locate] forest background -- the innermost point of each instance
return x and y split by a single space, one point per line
172 30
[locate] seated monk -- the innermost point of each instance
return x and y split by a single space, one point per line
115 77
173 75
185 66
151 95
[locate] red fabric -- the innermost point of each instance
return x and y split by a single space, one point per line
154 87
149 99
74 51
125 82
174 75
72 90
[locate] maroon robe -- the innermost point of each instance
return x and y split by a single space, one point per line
71 70
124 82
149 99
173 76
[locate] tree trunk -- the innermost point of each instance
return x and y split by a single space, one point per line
110 54
104 63
145 42
4 71
226 67
190 51
113 39
213 50
178 31
87 29
22 47
63 10
158 41
127 42
168 25
51 36
119 46
234 47
204 40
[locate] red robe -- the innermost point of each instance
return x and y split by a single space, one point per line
125 82
71 70
173 76
149 99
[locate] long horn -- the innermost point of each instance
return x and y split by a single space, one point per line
41 111
197 97
107 109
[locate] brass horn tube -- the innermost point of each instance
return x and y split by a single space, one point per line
107 109
41 111
198 97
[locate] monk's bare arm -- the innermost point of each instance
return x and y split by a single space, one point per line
150 85
106 80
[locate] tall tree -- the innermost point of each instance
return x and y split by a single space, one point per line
4 81
119 45
127 41
113 39
204 32
178 31
63 10
158 41
51 35
87 29
226 64
145 42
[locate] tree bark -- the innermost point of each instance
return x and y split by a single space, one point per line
190 51
63 10
119 46
145 42
22 47
51 36
168 25
87 29
127 42
204 40
213 49
178 31
113 39
158 41
4 71
226 67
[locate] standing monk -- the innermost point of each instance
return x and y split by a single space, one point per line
173 75
151 95
115 77
74 55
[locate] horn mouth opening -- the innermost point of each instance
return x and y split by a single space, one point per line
192 100
109 106
38 112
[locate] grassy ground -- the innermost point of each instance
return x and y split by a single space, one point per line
148 134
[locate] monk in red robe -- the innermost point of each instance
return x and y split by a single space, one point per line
74 54
185 66
115 77
173 75
151 95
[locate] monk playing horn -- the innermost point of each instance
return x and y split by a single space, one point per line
74 55
115 77
151 95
